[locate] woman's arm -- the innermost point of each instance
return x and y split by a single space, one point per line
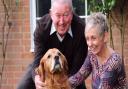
82 74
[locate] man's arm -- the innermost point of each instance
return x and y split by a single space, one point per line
79 56
39 49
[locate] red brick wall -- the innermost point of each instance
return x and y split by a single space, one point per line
18 54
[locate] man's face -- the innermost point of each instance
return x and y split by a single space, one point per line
61 15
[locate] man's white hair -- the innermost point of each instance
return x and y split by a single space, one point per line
69 2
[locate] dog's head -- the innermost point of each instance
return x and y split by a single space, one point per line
52 62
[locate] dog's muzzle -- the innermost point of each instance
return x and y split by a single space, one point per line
57 65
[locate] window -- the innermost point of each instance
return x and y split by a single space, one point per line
42 7
38 8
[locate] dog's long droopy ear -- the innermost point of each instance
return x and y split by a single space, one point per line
40 71
65 65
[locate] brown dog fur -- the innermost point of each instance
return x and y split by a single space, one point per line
53 70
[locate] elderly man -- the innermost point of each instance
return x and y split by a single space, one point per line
61 29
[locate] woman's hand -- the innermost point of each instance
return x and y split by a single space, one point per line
38 83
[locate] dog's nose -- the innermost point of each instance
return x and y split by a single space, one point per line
57 57
57 60
57 66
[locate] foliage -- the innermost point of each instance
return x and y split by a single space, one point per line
104 6
17 2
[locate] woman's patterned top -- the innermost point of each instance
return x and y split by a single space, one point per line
110 75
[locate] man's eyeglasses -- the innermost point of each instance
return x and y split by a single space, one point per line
65 15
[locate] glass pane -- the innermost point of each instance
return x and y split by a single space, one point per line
79 7
42 7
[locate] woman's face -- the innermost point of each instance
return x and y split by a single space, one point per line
95 41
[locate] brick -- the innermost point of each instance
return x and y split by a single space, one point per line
15 36
27 35
88 82
14 42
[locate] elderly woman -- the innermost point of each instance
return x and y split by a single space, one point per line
103 62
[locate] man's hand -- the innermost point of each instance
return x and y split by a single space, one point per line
38 83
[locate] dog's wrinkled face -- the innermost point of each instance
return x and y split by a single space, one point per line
54 61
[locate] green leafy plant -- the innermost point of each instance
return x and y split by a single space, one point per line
104 6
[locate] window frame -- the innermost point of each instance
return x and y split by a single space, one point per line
32 22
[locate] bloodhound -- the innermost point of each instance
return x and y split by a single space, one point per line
53 70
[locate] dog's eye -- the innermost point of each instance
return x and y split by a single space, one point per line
59 53
49 56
